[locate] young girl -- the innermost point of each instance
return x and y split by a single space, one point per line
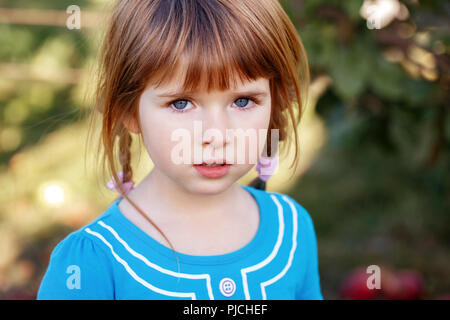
189 230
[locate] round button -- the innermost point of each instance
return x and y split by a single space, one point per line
227 287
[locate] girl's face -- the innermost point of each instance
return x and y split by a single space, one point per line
169 117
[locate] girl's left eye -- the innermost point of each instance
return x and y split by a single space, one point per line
180 105
242 103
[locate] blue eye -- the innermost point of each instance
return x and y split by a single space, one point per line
246 103
242 102
180 105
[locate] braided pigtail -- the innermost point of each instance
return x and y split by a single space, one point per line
125 141
125 156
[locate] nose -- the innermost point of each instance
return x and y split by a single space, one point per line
215 126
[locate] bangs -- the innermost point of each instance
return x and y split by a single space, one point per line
204 44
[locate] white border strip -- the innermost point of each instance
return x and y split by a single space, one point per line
272 255
291 254
207 277
135 276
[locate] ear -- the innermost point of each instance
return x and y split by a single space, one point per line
131 124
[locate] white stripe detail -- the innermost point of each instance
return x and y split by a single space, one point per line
272 255
207 277
291 254
135 276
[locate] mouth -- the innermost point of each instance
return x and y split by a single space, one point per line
212 170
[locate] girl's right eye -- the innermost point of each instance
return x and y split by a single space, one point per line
179 105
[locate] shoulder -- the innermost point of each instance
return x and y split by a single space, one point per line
287 203
294 205
77 244
305 222
81 241
79 268
294 213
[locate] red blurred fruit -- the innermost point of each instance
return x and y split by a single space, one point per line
411 283
354 286
391 285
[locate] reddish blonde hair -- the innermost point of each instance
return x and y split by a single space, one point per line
222 40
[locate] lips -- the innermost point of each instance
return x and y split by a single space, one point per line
214 170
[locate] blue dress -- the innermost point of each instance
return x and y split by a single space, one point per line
112 258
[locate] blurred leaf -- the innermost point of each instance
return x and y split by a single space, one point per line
386 79
16 43
352 8
350 69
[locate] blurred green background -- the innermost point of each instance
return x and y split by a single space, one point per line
374 168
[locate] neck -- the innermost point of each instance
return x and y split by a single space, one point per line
160 193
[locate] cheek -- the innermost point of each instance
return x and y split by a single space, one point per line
156 133
259 122
258 119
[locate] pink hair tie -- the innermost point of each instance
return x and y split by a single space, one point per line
266 167
127 186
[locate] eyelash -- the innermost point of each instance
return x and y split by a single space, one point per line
255 100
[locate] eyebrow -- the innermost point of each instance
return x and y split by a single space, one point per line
253 93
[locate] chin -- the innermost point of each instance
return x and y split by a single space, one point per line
207 186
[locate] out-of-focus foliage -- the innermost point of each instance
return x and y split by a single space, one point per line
379 192
43 81
378 189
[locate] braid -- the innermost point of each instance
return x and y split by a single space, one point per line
125 155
